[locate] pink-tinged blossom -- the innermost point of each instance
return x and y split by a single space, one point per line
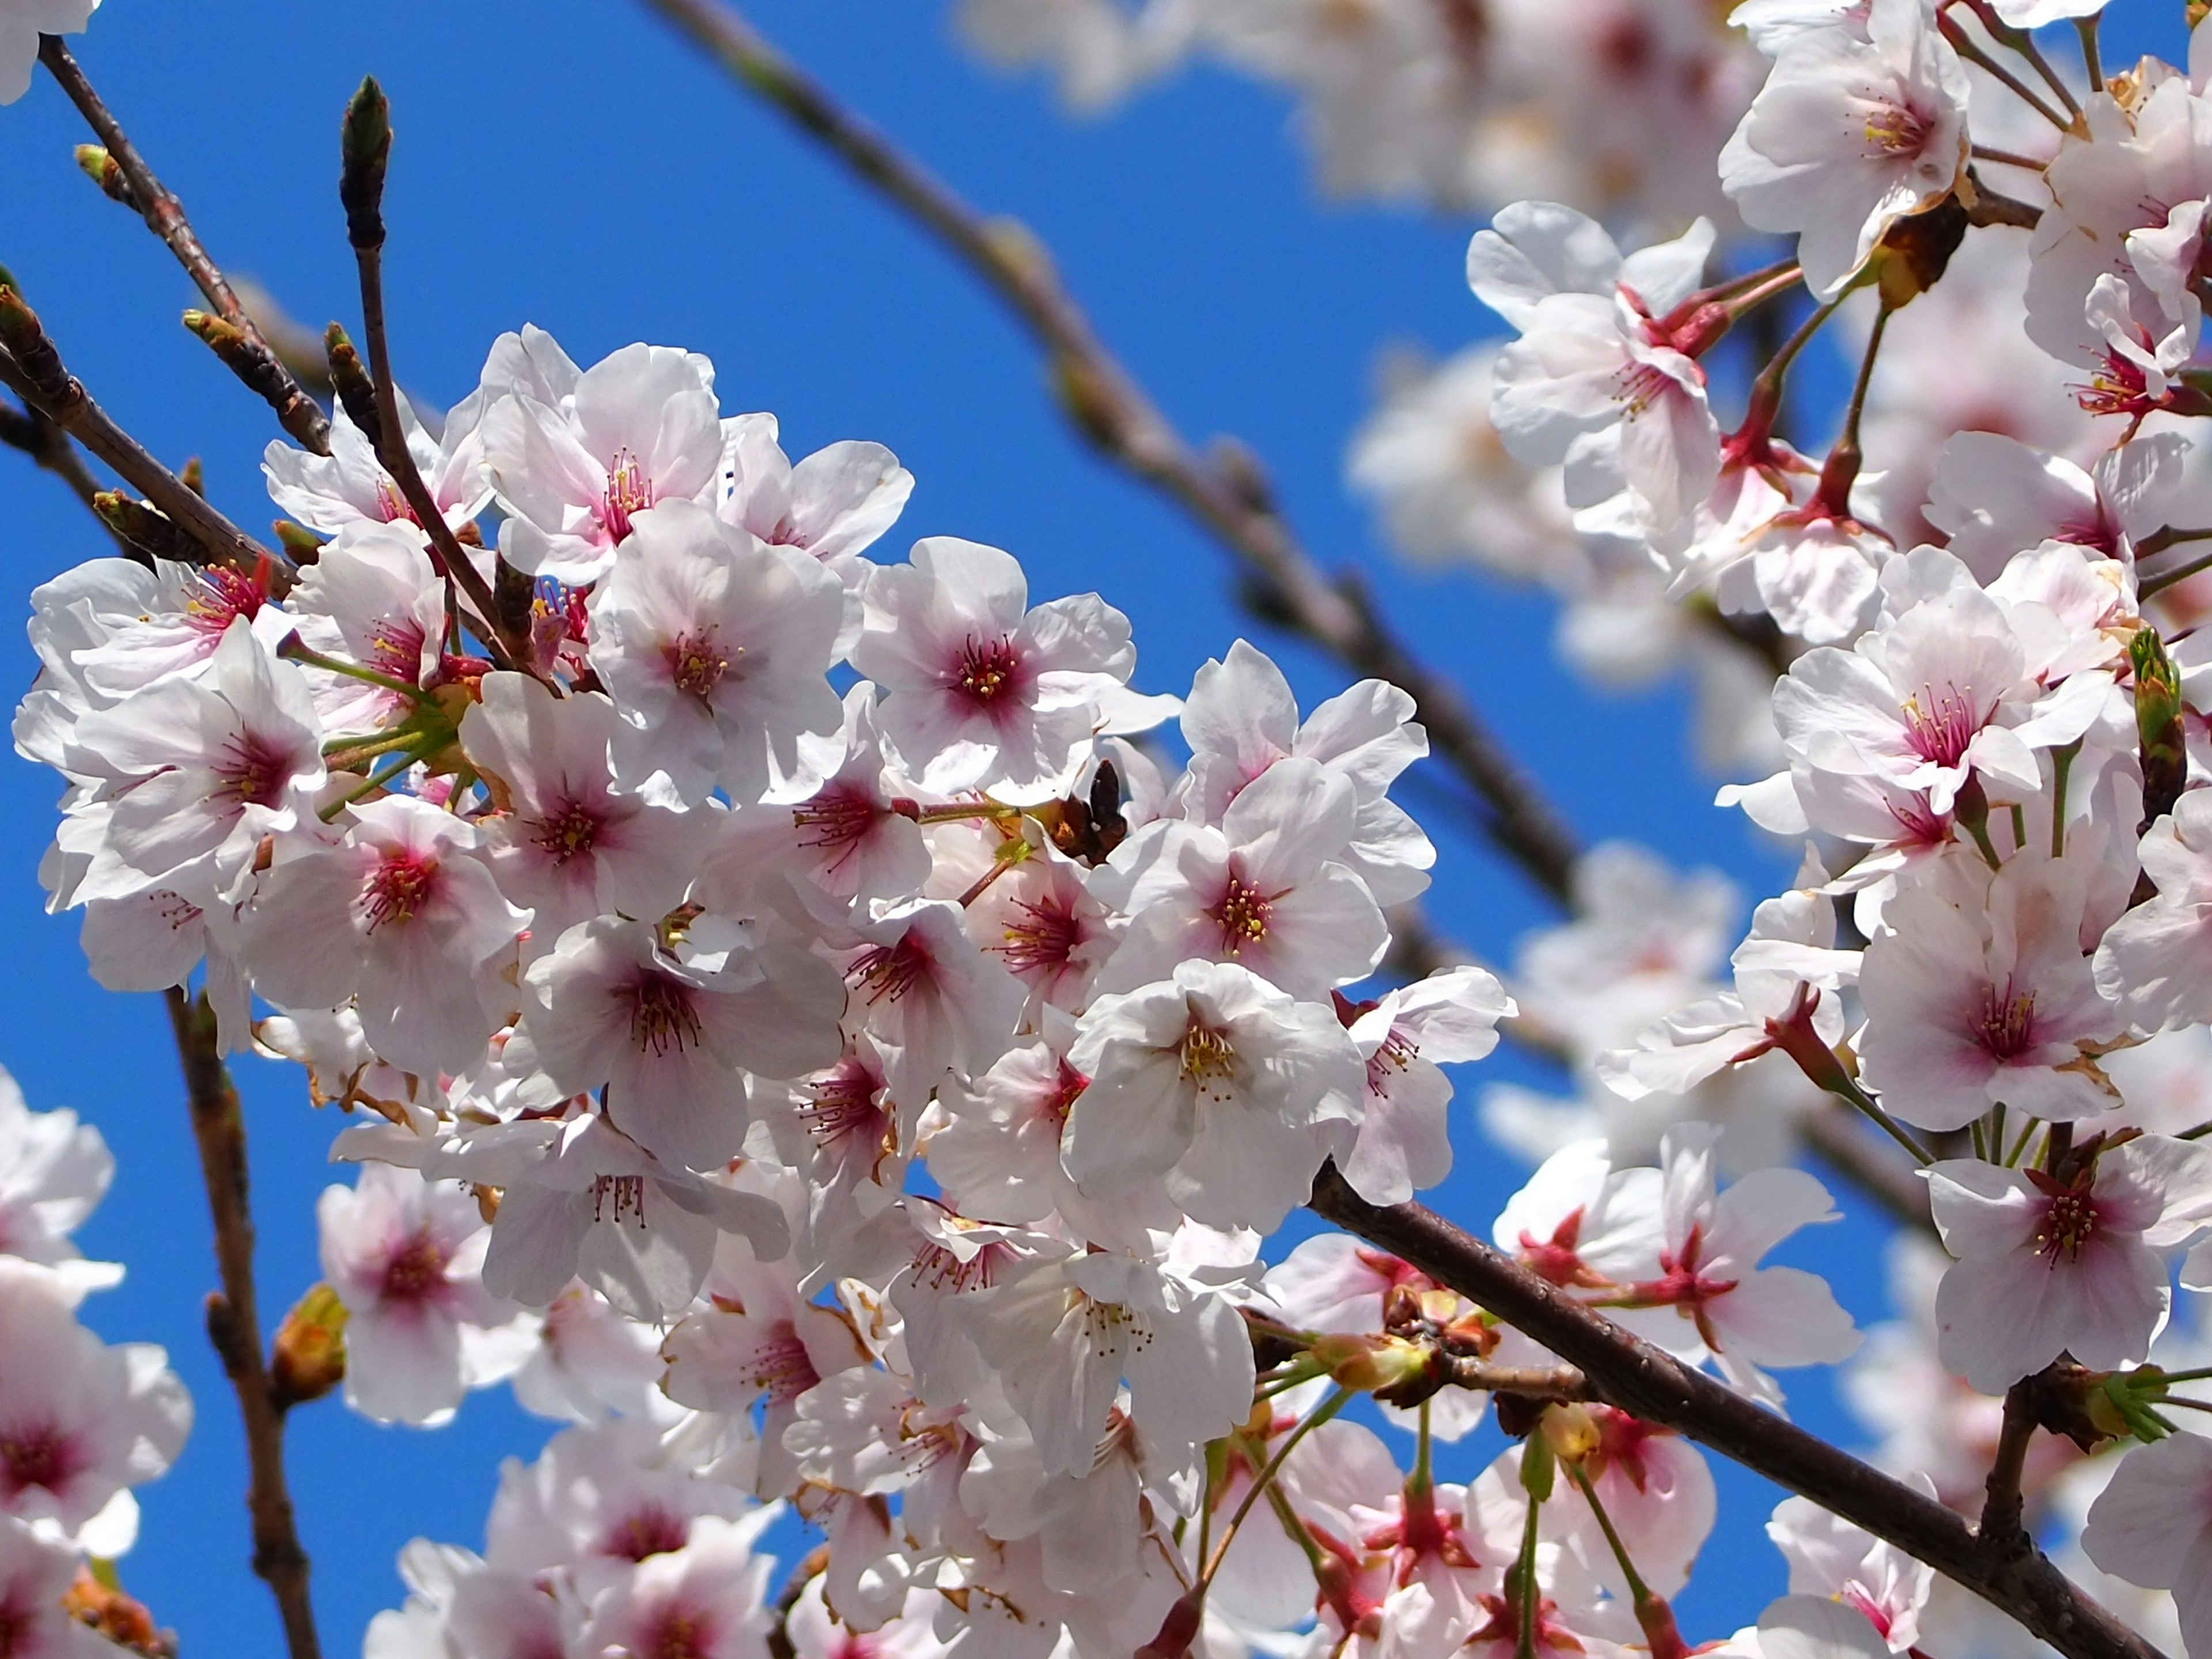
2047 1266
1217 1083
565 844
1994 495
706 1601
207 765
53 1170
848 839
1980 991
80 1422
1656 1491
1046 922
371 597
638 429
981 690
348 487
36 1572
668 1034
833 504
1063 1332
759 1342
713 647
934 1003
401 913
1806 1627
407 1257
1851 134
2151 1525
1581 1224
1830 1557
1746 1316
457 1604
179 629
1405 1132
1241 718
589 1361
1604 379
2156 961
22 23
1265 891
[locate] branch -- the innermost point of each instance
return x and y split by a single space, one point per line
47 445
30 368
1228 495
242 346
234 1324
1631 1374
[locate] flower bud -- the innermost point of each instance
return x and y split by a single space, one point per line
106 171
1373 1364
308 1360
365 149
2158 724
1571 1430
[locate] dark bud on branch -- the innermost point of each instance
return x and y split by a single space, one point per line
366 147
25 340
143 527
245 356
106 171
356 391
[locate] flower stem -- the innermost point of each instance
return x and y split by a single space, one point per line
1321 1414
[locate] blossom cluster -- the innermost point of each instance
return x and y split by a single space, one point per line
81 1422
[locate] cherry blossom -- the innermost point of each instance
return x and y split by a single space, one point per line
2152 1526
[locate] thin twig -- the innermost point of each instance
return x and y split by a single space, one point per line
1639 1378
1226 493
234 1322
46 444
254 362
1536 1381
33 370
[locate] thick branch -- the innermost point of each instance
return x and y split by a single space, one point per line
234 1322
254 362
1629 1373
1227 494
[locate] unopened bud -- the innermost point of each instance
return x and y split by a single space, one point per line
1571 1430
97 1601
1373 1364
349 378
299 543
143 527
309 1357
25 338
2157 723
365 150
106 171
1915 251
2194 12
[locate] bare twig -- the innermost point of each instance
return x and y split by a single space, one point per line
1536 1381
36 436
2001 1528
1226 493
234 1322
32 369
253 361
1629 1373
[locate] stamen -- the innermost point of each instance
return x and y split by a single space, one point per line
403 884
628 491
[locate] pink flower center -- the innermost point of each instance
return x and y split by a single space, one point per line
1209 1060
648 1529
843 1105
888 971
677 1633
416 1269
1243 914
1897 129
628 491
662 1016
986 670
1397 1053
780 1367
395 649
2006 1028
2068 1225
402 885
696 663
936 1268
39 1455
840 816
391 505
218 596
1067 1086
1637 386
253 770
1044 939
1939 727
625 1193
569 834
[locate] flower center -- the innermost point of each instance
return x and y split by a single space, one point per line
253 770
662 1016
888 971
679 1634
396 648
2007 1023
1896 130
1043 939
2068 1225
1209 1060
1243 914
414 1270
628 491
696 663
840 816
1397 1053
780 1367
39 1456
218 596
647 1530
569 834
402 885
843 1105
986 669
1637 386
626 1192
1938 726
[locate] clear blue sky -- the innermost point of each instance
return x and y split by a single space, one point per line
570 162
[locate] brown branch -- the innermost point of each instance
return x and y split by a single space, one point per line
30 368
250 358
1227 492
1990 208
50 448
233 1320
1639 1378
1536 1381
2001 1527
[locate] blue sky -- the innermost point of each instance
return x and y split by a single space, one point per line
570 162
